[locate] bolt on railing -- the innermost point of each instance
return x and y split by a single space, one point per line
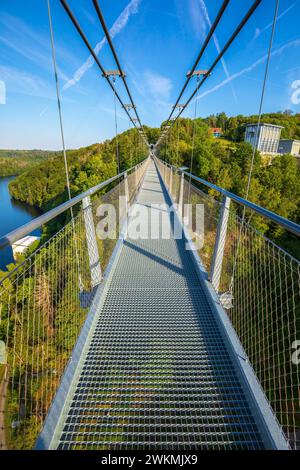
258 285
44 302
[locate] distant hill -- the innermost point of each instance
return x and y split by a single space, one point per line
220 161
44 186
15 162
35 153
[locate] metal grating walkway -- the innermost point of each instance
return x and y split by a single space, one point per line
157 374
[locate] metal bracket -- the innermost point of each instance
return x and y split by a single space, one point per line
129 106
113 73
197 73
179 106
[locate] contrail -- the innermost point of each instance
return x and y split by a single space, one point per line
203 6
259 32
116 28
278 51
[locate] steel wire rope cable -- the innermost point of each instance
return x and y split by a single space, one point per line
166 148
256 139
63 138
177 145
203 48
130 143
193 143
116 132
136 147
217 60
93 54
122 75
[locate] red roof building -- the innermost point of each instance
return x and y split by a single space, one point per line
216 131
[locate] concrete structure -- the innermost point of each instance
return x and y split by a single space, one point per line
20 246
289 146
265 137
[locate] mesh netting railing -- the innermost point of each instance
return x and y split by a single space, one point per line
204 235
260 289
44 302
258 284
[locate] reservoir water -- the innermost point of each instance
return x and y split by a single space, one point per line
13 214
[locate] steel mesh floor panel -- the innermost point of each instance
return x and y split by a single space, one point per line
157 374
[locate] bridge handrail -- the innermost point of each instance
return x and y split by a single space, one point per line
256 283
25 229
282 221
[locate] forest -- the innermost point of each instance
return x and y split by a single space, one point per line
15 162
53 284
224 161
234 127
44 186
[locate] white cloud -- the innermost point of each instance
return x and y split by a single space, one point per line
251 67
35 47
257 33
89 16
25 83
117 27
159 86
198 20
2 92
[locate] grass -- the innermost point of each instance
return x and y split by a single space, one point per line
225 142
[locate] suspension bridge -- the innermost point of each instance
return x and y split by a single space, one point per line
151 342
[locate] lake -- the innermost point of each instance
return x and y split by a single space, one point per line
13 214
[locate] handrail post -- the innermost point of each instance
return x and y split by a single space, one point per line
180 201
170 182
126 190
218 255
135 176
138 175
94 259
168 176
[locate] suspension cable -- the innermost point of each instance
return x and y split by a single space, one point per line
130 143
63 137
58 98
177 150
116 127
166 146
217 60
136 147
109 40
116 133
255 142
193 144
262 97
199 57
92 52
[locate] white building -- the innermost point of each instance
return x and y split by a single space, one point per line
20 246
265 137
289 146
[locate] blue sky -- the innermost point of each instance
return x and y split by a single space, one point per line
157 42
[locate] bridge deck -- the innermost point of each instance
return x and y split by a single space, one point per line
157 373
